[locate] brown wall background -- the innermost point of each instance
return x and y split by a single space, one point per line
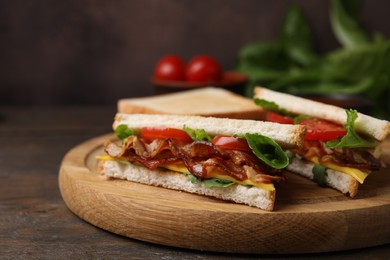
63 52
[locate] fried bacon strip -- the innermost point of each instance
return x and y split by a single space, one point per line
200 157
354 158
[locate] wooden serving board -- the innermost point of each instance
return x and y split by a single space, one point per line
306 218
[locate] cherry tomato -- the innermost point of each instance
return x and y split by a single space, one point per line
151 133
274 117
322 130
231 143
170 67
203 68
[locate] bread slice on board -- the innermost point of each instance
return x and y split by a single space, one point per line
208 101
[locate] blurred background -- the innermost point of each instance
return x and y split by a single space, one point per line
89 52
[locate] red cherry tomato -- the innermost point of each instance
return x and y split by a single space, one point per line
151 133
231 143
322 130
274 117
203 68
170 67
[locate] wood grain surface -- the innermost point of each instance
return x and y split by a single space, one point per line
306 218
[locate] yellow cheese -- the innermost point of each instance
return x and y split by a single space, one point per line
179 167
359 175
104 158
215 174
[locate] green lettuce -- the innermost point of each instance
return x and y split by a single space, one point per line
301 118
193 179
122 132
219 183
272 107
319 175
197 134
211 182
267 150
351 139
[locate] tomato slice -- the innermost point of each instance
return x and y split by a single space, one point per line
274 117
151 133
322 130
231 143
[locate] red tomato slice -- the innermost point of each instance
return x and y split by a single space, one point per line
231 143
274 117
322 130
151 133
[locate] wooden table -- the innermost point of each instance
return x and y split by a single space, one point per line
35 222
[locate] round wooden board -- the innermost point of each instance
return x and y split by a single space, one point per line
306 218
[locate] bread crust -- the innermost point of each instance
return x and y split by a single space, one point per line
251 196
364 124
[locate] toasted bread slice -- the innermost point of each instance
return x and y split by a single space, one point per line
251 196
207 101
288 136
364 124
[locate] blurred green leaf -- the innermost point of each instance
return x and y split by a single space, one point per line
344 24
290 64
297 38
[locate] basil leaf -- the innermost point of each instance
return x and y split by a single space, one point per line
197 134
345 25
122 132
319 175
297 37
267 150
351 139
213 182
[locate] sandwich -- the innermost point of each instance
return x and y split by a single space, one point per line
340 148
230 159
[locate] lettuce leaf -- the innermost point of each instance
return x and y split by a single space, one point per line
193 179
319 175
122 132
211 182
351 139
272 107
267 150
214 182
197 134
300 118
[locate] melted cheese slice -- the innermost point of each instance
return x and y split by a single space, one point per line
359 175
180 167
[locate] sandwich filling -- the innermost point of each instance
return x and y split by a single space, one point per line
330 145
254 160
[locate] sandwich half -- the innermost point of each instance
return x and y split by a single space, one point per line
229 159
340 144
